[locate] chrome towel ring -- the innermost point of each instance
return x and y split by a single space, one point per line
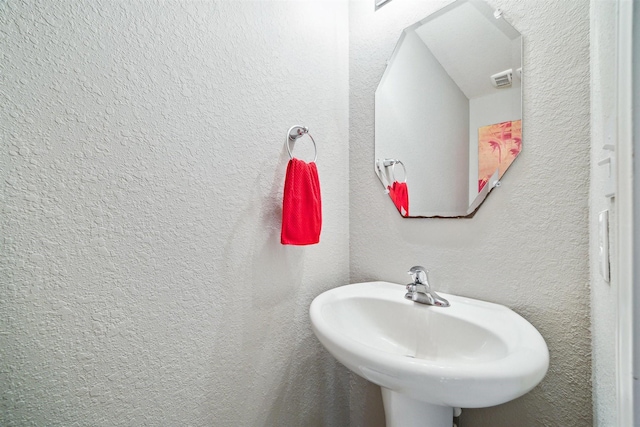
393 163
296 132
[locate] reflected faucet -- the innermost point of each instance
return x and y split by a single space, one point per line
420 291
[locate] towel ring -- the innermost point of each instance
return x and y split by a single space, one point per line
296 132
393 163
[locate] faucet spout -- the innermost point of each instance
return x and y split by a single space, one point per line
420 291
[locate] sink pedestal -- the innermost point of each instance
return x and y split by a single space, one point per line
403 411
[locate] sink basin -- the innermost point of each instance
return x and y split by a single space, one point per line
426 358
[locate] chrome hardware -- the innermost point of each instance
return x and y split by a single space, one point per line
296 132
393 162
420 291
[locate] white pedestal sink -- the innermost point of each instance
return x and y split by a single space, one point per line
429 359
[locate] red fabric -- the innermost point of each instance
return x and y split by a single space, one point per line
399 193
301 206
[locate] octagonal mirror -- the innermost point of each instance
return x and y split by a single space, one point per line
448 111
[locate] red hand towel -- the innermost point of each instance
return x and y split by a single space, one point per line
301 207
399 193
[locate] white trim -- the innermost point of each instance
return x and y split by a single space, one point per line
624 208
635 116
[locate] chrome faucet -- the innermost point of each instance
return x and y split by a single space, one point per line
420 291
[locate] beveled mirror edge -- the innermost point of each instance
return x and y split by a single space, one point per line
379 3
473 209
444 9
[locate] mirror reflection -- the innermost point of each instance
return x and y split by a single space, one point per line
448 111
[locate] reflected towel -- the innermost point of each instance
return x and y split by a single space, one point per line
399 193
301 206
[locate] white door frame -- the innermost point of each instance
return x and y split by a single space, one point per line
635 135
626 232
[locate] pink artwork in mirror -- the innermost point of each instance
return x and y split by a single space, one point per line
498 146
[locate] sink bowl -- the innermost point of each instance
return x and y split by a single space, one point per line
426 358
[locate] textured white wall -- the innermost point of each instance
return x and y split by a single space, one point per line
603 130
527 247
142 166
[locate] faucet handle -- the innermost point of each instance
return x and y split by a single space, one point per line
419 274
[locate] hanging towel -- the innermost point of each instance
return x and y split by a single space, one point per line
399 193
301 206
